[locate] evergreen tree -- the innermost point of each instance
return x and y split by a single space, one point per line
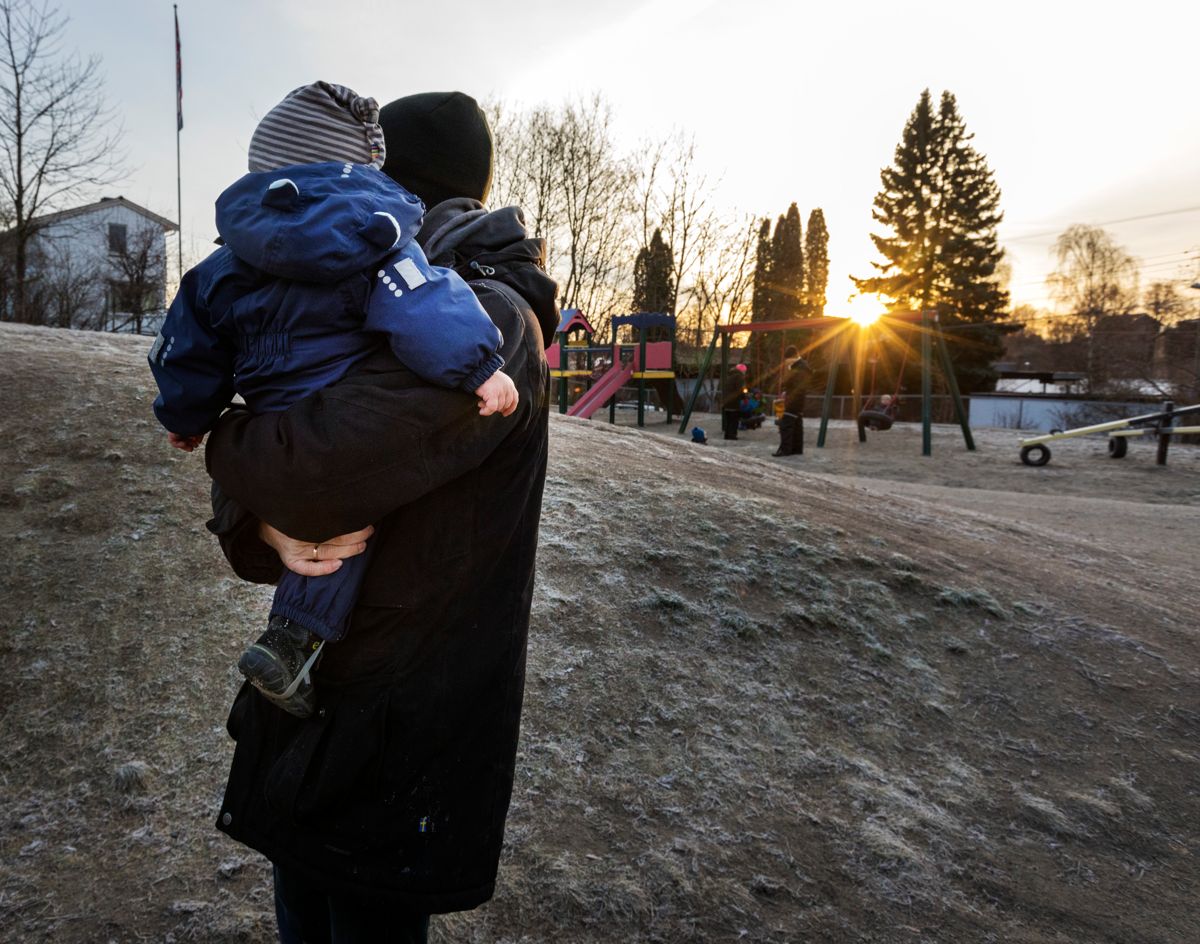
941 205
760 301
816 264
762 297
652 271
787 282
787 290
776 255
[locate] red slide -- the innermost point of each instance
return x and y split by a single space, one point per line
601 391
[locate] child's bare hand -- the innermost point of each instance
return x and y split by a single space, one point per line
186 443
497 394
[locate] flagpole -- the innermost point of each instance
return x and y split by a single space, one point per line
178 129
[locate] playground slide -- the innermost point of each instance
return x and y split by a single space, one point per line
601 391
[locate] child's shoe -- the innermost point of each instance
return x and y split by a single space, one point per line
278 665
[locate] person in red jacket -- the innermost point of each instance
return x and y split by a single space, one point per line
389 803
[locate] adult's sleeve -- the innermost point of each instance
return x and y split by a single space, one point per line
348 455
192 364
237 530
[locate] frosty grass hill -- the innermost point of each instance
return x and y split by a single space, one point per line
759 708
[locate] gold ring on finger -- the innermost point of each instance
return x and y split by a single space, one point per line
316 551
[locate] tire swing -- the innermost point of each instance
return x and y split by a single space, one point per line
880 416
1117 447
1035 455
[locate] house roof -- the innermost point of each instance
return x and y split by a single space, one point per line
105 203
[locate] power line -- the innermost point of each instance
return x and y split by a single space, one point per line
1125 219
1187 257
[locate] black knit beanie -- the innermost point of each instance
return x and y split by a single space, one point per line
439 146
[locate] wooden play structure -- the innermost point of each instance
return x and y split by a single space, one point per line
874 414
572 355
593 374
1161 425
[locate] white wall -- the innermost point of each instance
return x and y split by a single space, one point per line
75 251
1046 413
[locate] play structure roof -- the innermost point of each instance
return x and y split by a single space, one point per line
573 318
644 319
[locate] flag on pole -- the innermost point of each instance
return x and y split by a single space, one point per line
178 77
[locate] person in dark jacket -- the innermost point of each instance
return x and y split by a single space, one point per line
733 388
796 376
285 307
389 803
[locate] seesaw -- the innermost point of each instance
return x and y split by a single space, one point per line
1035 452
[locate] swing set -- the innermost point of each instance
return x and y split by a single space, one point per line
875 413
879 414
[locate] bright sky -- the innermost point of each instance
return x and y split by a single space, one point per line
1085 110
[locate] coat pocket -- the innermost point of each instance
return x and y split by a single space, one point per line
347 781
331 766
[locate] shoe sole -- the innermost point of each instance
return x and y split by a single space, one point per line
265 671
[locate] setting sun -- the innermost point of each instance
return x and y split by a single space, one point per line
865 310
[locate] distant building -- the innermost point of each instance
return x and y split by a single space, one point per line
100 266
1125 355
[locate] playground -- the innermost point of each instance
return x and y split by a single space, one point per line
586 375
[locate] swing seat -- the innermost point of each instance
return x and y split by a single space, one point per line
878 420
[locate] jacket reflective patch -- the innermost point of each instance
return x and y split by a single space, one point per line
157 349
410 273
389 284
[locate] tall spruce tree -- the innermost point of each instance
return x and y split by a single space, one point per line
787 291
942 206
816 264
652 272
787 280
654 284
761 300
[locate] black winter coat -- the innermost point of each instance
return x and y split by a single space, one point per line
795 387
400 784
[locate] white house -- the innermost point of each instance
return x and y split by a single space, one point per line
102 266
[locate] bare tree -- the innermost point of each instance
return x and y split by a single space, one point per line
596 192
687 216
135 286
528 170
63 293
1095 279
56 131
562 166
1164 302
724 275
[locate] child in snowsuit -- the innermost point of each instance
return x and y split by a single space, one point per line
317 269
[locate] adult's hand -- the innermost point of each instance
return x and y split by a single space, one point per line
314 560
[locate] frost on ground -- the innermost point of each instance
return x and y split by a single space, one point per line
762 704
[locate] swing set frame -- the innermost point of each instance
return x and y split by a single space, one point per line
931 335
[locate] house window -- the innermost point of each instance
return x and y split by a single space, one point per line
118 237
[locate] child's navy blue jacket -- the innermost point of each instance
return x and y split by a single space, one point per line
318 265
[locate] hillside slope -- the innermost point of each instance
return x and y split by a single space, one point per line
761 705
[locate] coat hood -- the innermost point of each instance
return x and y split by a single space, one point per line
461 234
316 222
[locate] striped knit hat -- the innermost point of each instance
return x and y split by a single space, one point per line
315 124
